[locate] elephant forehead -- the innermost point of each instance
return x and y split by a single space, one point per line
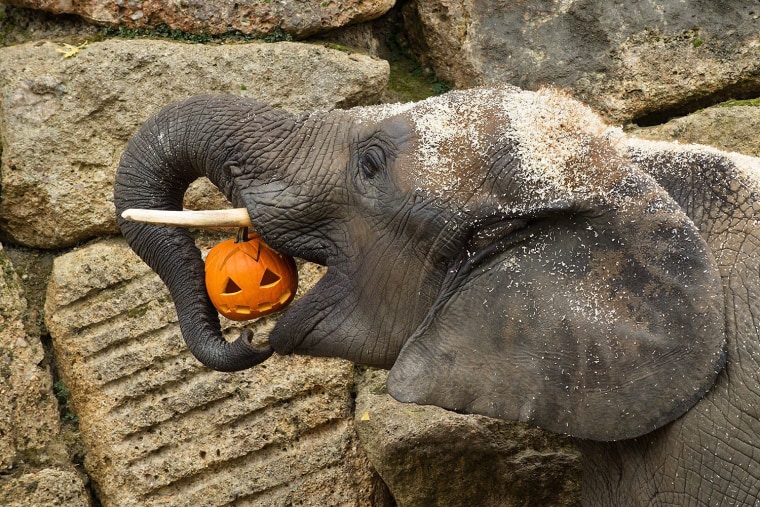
459 135
561 144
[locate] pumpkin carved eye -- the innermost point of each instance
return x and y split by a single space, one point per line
270 278
231 288
246 279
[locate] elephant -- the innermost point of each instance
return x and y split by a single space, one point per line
502 252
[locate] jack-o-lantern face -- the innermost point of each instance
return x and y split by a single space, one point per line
249 279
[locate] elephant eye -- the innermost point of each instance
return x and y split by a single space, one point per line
371 162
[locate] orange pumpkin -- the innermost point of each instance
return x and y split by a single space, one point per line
246 278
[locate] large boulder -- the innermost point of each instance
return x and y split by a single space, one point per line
253 17
432 457
161 429
64 121
628 60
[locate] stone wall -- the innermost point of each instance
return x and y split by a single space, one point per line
156 426
101 400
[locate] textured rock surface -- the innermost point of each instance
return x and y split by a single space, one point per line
626 59
432 457
29 420
64 122
28 408
163 430
22 25
257 17
730 127
47 488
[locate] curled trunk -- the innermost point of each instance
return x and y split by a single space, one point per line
187 140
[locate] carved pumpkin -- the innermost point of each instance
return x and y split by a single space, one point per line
246 278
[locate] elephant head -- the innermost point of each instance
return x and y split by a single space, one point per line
491 247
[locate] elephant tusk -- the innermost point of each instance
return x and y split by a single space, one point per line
207 219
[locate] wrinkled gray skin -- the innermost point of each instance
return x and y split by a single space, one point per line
503 253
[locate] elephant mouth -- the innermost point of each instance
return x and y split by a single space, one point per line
303 320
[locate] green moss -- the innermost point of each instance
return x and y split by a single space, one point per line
337 47
440 87
63 395
697 42
161 32
164 32
408 82
137 312
744 102
278 35
10 32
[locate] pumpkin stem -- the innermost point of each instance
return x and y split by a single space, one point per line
242 235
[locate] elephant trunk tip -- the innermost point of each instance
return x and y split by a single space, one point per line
240 354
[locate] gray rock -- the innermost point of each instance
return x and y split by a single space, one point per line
161 429
295 17
64 121
432 457
49 487
730 127
626 59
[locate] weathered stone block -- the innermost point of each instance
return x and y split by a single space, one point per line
433 457
161 429
297 18
64 122
731 127
49 487
28 409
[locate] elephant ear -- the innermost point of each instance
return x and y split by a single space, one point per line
603 326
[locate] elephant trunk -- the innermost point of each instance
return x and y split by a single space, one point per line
194 138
